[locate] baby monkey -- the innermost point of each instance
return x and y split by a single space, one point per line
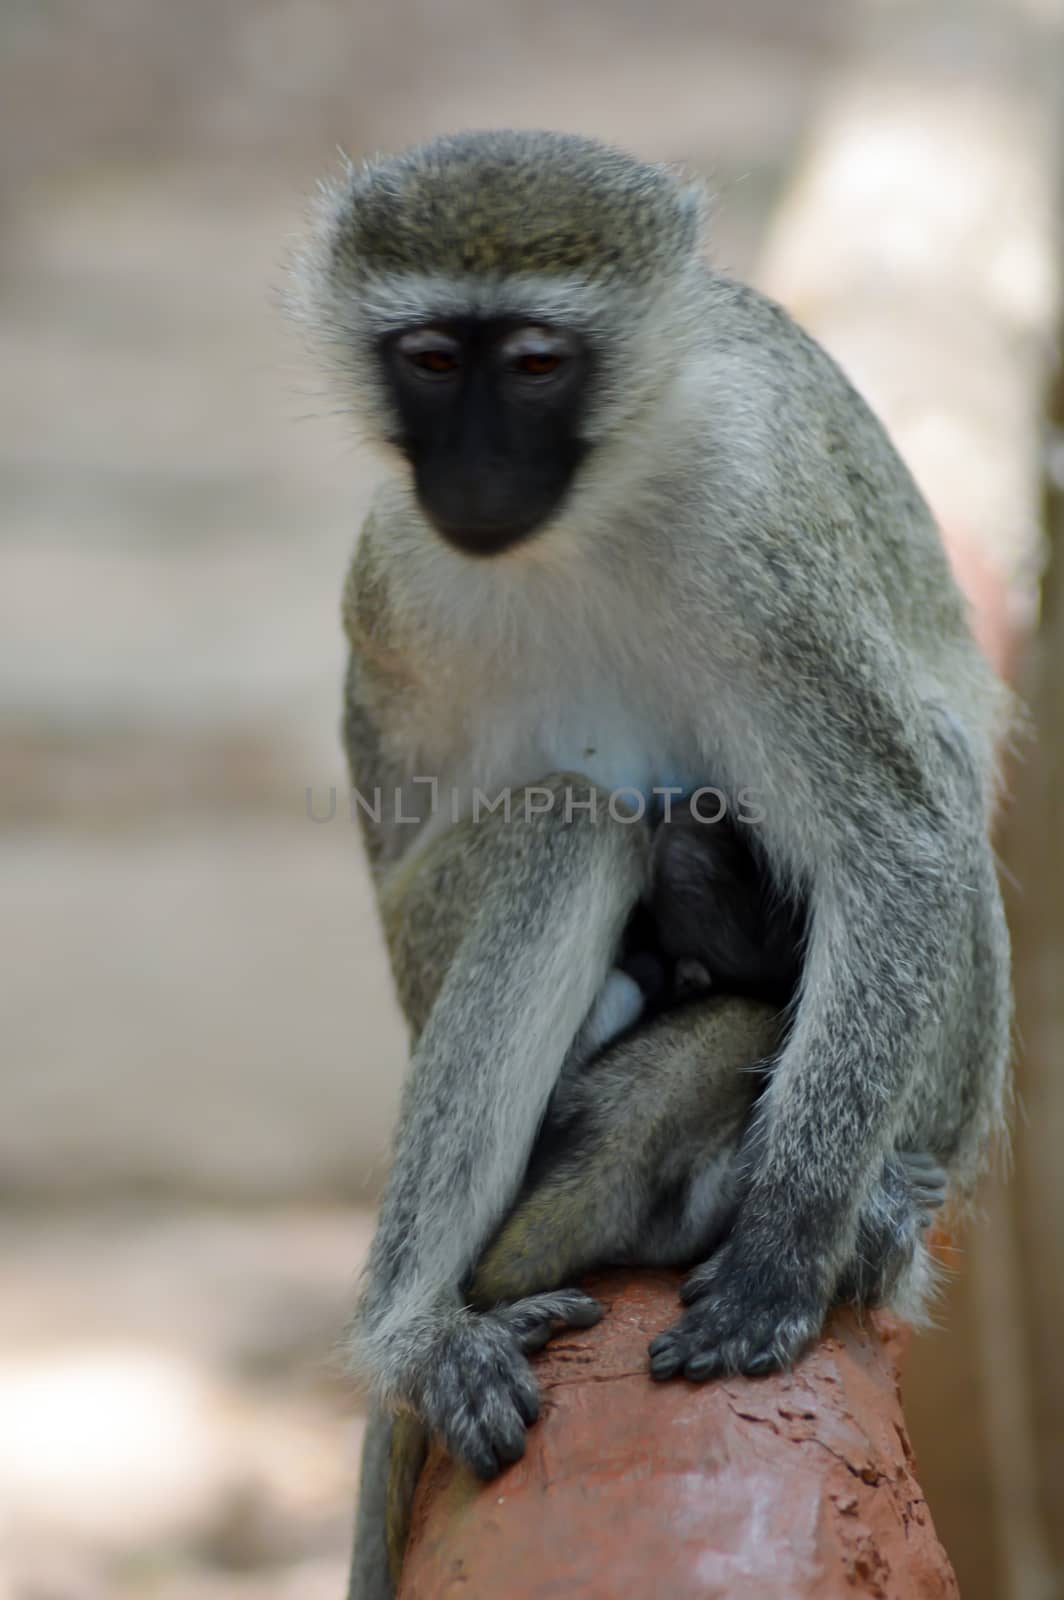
641 1156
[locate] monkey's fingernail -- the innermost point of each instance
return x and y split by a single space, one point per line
662 1368
757 1366
699 1368
512 1450
484 1464
666 1357
528 1405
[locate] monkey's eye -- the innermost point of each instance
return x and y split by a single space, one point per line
536 353
538 363
435 360
431 353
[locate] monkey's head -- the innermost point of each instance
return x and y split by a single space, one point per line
498 305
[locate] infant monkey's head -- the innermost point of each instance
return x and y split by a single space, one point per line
718 920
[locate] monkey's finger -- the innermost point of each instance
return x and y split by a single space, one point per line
927 1179
467 1439
707 1364
512 1388
488 1434
921 1165
508 1438
515 1387
481 1458
668 1352
525 1392
697 1286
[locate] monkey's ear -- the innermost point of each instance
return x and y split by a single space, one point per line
694 207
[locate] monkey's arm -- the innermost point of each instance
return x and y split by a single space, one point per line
542 905
905 949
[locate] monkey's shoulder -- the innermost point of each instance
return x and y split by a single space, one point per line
811 417
381 633
365 607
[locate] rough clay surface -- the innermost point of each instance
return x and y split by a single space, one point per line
796 1485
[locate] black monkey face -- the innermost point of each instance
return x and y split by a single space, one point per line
489 416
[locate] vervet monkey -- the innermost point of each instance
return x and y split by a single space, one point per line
610 459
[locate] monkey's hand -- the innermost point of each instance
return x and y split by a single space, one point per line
746 1313
474 1386
739 1322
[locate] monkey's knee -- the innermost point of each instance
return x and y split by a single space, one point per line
563 1226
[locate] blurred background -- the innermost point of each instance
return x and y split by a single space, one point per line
201 1051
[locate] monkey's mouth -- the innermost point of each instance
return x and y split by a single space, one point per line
484 541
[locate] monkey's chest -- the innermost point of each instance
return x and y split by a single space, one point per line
572 686
616 741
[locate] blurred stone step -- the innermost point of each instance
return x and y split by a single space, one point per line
175 1418
198 1007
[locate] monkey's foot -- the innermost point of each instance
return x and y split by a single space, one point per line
478 1392
742 1316
536 1319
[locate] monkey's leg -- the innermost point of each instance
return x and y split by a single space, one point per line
886 977
956 1105
636 1160
544 897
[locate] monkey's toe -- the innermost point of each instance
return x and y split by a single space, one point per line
928 1182
535 1320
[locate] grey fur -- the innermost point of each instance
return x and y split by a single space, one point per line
742 512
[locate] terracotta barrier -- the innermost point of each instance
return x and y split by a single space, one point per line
800 1484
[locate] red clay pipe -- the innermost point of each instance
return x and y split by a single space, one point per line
795 1485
